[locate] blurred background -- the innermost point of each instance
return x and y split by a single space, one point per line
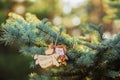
68 13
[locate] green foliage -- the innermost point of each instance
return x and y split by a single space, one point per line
37 77
89 56
112 74
4 6
14 67
44 8
116 5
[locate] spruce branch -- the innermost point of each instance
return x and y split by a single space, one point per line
88 54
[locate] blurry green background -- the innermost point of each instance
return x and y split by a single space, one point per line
68 13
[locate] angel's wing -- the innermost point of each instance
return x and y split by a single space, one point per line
49 51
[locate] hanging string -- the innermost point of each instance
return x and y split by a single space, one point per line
61 29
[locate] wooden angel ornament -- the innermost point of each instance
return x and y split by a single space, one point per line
55 55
